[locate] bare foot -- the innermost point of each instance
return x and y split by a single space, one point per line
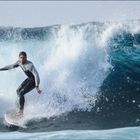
19 112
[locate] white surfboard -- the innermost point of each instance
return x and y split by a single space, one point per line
12 119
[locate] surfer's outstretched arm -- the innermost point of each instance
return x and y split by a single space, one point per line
12 66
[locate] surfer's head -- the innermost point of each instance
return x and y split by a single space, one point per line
22 57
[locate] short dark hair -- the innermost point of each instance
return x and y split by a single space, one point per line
23 53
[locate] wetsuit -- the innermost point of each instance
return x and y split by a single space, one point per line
28 84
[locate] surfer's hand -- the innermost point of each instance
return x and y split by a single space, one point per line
38 90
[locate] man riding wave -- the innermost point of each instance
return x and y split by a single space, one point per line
28 84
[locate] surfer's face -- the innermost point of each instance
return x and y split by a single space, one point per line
22 59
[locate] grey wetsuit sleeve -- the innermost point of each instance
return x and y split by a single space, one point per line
36 75
10 66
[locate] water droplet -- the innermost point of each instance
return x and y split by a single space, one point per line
133 101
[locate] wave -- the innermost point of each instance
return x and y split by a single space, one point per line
91 69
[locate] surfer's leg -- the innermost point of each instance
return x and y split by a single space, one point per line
21 86
24 88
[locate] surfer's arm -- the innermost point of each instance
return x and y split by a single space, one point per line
37 79
36 76
12 66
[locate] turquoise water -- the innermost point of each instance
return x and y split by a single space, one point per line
129 133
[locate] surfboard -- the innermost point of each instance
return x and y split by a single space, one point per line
13 119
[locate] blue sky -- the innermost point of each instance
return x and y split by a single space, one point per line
44 13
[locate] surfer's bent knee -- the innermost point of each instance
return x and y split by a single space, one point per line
19 93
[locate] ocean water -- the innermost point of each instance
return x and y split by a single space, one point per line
89 75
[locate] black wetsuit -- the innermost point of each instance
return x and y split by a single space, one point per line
28 84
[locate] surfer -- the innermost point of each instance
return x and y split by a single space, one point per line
28 84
